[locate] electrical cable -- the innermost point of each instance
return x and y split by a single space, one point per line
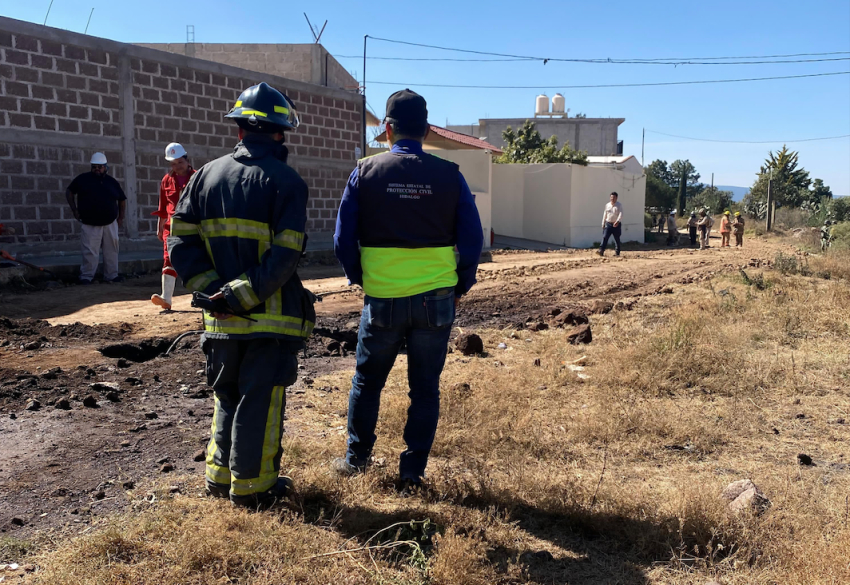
607 85
750 141
595 61
665 61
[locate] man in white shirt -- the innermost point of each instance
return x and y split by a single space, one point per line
612 224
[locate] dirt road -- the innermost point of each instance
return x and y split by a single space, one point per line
108 425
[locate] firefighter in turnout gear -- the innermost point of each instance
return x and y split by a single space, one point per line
237 235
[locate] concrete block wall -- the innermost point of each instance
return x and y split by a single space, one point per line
310 63
64 96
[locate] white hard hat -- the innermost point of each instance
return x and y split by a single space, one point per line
98 158
174 151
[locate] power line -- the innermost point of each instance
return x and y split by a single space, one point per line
635 61
545 85
595 61
429 59
750 141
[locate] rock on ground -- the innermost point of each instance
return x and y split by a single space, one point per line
580 334
570 317
745 495
469 344
600 307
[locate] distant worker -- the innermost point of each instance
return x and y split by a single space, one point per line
738 229
710 225
672 229
237 235
612 224
725 229
692 228
98 203
662 220
409 233
170 188
825 236
703 225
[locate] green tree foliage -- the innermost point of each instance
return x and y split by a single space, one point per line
679 167
789 184
839 209
661 171
671 175
526 146
658 193
819 190
716 200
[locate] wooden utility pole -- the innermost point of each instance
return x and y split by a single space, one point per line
642 142
363 106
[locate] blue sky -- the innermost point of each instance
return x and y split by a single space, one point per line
768 110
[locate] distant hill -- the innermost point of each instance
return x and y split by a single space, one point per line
737 192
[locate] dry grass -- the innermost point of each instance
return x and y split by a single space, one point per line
687 393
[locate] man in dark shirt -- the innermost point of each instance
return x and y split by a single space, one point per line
97 202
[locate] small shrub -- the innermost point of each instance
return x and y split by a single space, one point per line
789 264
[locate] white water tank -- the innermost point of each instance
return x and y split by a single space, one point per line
541 107
558 104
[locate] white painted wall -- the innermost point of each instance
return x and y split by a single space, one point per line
562 204
591 188
546 213
508 199
476 168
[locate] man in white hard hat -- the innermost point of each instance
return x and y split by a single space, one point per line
170 189
98 203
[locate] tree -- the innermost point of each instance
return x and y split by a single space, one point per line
683 190
672 174
526 146
658 193
716 200
819 190
661 170
693 186
789 183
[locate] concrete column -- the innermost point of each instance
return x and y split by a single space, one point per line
317 65
126 110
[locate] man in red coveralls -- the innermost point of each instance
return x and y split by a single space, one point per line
170 189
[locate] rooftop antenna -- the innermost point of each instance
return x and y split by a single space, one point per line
48 13
317 36
89 22
190 40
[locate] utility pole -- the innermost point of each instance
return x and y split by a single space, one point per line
85 32
363 106
769 203
642 142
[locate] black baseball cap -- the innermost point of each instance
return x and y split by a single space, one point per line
408 109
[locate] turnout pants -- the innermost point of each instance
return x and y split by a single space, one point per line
739 240
692 233
92 238
424 323
249 379
608 231
724 239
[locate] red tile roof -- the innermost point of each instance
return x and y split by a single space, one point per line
458 137
465 139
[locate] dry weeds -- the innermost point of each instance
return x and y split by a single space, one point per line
686 393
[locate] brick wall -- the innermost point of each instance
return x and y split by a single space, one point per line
64 96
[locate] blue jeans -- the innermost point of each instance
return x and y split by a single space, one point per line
608 231
424 323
